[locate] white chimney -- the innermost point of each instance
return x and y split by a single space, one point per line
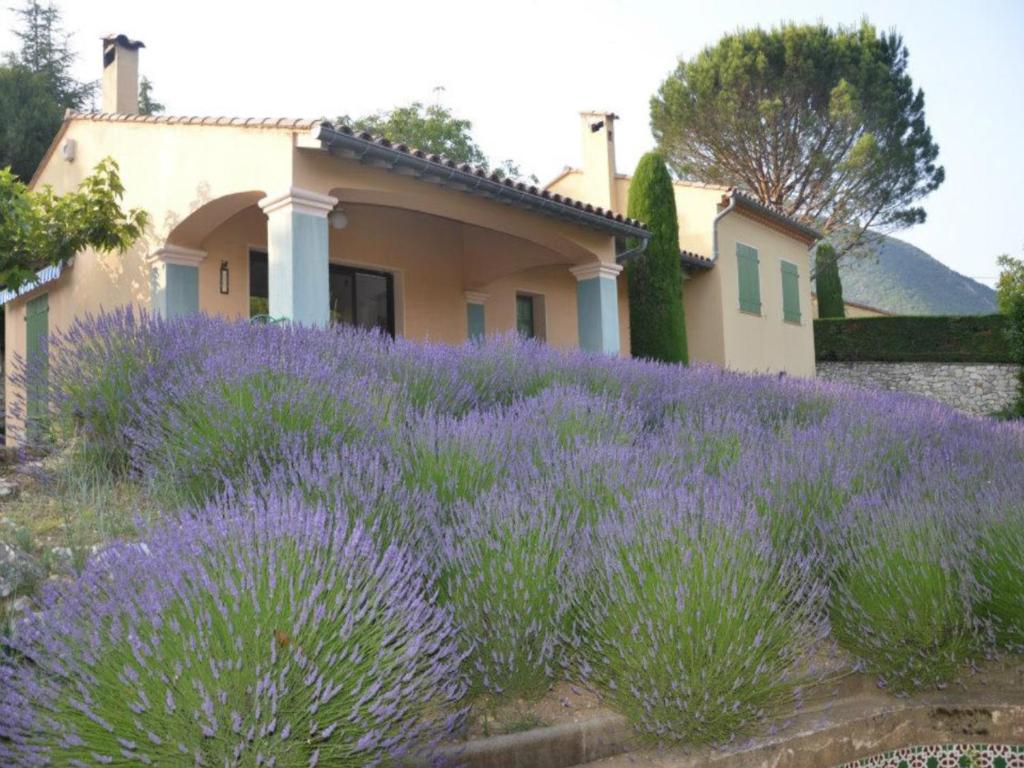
121 75
599 157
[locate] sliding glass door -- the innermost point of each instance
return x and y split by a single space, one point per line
361 297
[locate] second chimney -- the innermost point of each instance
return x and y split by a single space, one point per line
120 88
599 158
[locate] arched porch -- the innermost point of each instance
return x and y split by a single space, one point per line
388 262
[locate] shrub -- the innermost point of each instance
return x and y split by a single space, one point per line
999 569
453 459
92 368
260 633
694 626
901 597
827 283
970 339
657 322
505 575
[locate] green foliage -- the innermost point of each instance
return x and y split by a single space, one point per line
29 119
36 86
898 603
213 438
1010 288
822 123
657 323
662 629
1010 295
432 128
147 104
970 339
46 50
40 228
999 569
828 286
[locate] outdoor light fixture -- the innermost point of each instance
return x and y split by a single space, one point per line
224 277
338 219
595 127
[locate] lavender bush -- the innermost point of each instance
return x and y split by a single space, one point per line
681 538
902 596
505 573
693 624
257 633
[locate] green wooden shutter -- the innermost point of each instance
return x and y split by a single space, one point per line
524 316
37 326
790 293
750 283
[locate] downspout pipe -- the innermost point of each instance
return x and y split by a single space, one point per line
633 252
714 227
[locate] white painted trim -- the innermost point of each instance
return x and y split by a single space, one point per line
177 254
477 297
299 201
588 271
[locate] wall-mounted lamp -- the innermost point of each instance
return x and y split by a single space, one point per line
224 277
338 219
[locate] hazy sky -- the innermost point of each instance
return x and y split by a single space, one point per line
522 70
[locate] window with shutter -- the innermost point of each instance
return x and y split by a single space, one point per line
790 293
750 283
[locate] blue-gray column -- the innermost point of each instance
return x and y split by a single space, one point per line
176 281
476 318
597 307
297 256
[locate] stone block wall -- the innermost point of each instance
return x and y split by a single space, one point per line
978 388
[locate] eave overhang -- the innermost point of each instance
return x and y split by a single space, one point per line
473 180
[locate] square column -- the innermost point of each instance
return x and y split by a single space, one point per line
476 326
175 279
597 307
297 256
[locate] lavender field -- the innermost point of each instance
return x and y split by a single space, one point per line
360 538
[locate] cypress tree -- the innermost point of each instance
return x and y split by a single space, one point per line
657 323
828 285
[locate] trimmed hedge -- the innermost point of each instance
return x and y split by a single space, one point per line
966 339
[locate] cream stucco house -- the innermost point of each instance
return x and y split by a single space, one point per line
306 220
746 267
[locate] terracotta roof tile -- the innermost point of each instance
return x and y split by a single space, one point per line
691 259
481 172
305 125
236 122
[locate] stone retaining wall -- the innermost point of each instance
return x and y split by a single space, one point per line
978 388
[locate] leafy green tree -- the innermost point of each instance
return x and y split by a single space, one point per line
828 285
39 228
46 50
29 119
432 128
1010 298
36 87
824 124
657 323
147 104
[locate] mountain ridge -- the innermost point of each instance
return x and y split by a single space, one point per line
897 277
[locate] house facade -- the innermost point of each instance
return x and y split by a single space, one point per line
746 267
308 221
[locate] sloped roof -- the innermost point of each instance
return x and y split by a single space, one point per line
695 260
473 179
470 178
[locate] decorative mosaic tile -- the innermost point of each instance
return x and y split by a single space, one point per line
947 756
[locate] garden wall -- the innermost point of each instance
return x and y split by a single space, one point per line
965 362
978 388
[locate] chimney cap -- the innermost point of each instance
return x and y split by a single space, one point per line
124 41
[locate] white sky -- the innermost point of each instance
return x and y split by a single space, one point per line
522 70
